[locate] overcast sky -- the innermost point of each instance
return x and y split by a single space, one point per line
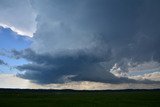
80 44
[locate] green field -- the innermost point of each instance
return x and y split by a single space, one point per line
68 98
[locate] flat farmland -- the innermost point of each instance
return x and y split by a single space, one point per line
70 98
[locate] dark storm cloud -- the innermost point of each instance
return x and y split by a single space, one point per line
84 39
46 69
2 62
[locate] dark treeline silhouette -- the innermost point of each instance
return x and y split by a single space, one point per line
3 90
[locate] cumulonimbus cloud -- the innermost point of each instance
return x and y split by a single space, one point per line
19 16
83 40
60 68
2 62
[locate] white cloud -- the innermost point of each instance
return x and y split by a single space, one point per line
19 16
18 31
147 70
151 65
11 81
155 76
117 71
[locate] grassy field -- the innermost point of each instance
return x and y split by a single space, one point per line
68 98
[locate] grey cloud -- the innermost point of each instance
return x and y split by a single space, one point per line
2 62
13 9
47 69
86 38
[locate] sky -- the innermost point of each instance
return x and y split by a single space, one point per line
80 44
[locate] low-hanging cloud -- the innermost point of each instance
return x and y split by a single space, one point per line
82 40
2 62
60 68
46 68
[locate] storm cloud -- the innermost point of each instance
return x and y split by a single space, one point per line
61 68
2 62
11 10
82 40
